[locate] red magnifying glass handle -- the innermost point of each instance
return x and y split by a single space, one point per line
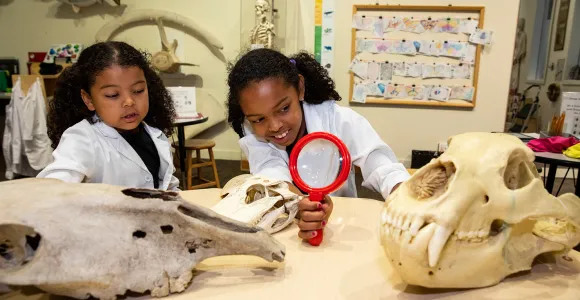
315 241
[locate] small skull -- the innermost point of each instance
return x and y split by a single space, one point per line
475 215
260 201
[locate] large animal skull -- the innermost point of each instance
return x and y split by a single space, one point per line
475 215
260 201
82 240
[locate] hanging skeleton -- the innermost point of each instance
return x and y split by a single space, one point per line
263 33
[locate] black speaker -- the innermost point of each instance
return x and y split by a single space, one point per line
419 158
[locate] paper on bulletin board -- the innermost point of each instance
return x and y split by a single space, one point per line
184 101
571 106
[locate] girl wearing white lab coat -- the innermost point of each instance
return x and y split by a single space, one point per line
109 121
274 101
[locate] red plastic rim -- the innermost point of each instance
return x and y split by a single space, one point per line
344 170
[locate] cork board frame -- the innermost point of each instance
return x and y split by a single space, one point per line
436 11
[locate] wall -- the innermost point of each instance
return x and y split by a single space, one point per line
404 128
43 23
408 128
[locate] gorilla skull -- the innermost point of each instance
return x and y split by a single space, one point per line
82 240
475 215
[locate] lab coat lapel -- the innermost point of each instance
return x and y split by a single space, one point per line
313 119
119 143
164 153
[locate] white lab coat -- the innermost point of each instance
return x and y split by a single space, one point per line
380 168
25 144
97 153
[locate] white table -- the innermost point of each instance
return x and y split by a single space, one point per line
350 264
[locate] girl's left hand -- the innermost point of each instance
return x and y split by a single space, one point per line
313 216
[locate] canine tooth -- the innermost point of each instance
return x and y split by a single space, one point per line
416 225
437 243
406 237
419 244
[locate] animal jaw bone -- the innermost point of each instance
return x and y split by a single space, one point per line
263 32
258 200
100 240
487 218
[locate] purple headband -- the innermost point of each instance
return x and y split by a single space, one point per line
293 61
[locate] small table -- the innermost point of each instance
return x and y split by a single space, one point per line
555 160
180 124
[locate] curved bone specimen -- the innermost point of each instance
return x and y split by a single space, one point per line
258 200
263 32
82 240
475 215
165 60
77 4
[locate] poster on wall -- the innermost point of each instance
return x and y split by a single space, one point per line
324 33
571 106
561 25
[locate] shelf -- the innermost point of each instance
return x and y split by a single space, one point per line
5 96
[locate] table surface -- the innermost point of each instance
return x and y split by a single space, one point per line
350 264
556 156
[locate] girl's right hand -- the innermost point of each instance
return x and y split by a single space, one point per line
313 216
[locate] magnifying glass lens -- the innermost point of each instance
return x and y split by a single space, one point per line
319 163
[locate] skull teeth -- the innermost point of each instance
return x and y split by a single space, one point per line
437 243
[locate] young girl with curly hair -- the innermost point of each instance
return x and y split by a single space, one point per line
275 100
110 119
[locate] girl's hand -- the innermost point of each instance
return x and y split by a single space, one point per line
313 216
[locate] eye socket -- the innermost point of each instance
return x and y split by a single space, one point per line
518 172
432 180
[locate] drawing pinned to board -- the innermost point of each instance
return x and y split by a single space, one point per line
468 26
373 71
393 24
413 69
425 47
406 47
453 49
376 88
399 68
359 68
430 25
449 25
414 90
461 71
462 93
440 93
412 25
360 92
436 70
395 90
481 37
379 27
386 71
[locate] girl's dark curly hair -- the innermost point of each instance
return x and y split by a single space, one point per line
257 65
67 108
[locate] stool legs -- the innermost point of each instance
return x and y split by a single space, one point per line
189 169
215 173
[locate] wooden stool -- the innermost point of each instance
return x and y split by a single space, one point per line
190 164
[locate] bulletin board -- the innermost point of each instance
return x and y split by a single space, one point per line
416 55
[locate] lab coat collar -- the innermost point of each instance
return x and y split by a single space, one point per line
126 150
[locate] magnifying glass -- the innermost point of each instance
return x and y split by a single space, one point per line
319 165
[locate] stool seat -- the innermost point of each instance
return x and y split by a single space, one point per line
192 163
196 144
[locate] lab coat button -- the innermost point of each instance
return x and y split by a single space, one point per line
148 178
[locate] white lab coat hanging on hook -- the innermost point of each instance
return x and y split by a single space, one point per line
25 144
